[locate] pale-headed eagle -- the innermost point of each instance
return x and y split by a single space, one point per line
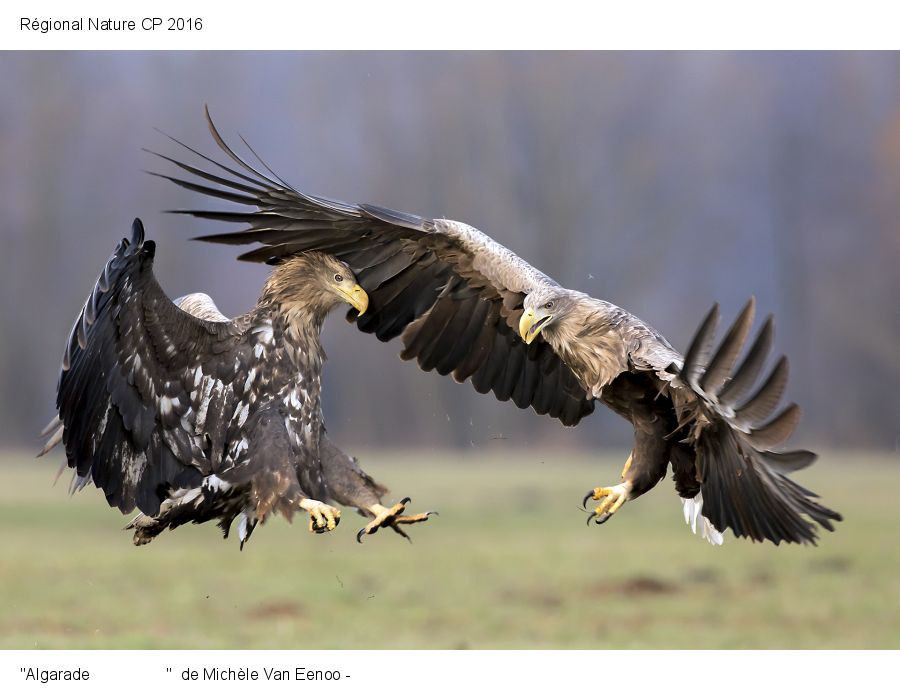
188 416
467 306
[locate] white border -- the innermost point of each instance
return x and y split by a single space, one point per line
472 24
432 675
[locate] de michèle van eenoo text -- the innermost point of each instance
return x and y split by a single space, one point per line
213 673
110 24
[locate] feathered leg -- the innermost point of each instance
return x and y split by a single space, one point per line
637 399
351 486
271 468
260 479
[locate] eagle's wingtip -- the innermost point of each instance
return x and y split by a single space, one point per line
137 232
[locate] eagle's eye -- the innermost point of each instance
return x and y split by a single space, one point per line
548 305
338 278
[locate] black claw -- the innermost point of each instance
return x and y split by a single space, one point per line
590 495
406 500
598 519
359 535
431 512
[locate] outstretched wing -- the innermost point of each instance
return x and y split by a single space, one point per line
453 294
735 430
144 387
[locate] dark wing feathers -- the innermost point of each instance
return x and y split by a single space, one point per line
126 416
743 482
435 334
766 399
466 326
421 280
699 349
527 384
490 373
448 351
503 390
720 366
479 350
403 298
787 462
377 272
747 374
777 430
398 218
212 191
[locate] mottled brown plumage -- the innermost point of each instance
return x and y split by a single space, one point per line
188 416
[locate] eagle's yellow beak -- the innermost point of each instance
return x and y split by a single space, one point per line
531 325
355 296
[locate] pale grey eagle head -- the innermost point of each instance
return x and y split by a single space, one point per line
543 310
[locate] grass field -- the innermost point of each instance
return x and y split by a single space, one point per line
508 564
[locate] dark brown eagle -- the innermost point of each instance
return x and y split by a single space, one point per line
188 416
465 305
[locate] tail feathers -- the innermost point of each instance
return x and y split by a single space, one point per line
693 516
54 434
741 492
246 524
78 482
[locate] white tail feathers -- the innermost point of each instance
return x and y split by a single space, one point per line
693 516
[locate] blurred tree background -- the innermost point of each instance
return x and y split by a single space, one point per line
659 181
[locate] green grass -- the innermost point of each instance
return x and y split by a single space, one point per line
508 564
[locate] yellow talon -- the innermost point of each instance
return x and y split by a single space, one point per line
613 498
627 466
391 517
322 517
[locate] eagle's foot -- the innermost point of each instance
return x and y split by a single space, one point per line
145 528
611 499
392 518
322 517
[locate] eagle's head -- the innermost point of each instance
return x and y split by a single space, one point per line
337 278
545 310
316 282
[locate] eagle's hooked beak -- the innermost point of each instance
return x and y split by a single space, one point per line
531 324
356 297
